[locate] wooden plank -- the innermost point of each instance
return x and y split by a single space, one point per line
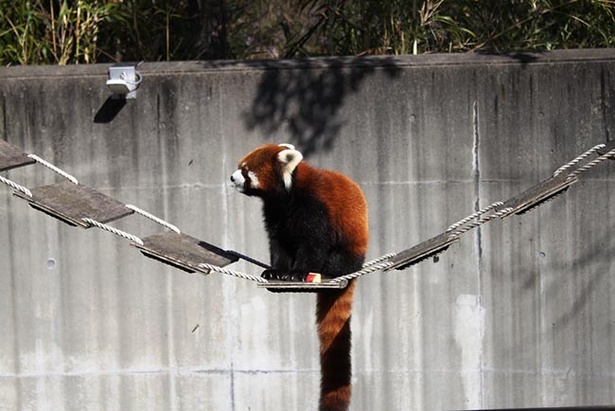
422 251
12 157
184 252
538 194
71 203
292 286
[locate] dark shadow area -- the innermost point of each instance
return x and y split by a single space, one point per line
229 255
586 289
303 97
244 257
523 57
596 260
167 262
110 108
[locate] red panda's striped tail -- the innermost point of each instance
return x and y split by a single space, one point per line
333 311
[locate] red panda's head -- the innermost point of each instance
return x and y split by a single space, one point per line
267 169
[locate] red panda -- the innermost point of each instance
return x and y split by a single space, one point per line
316 221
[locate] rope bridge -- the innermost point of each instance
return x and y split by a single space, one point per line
82 206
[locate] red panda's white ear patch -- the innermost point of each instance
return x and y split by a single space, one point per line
289 159
289 146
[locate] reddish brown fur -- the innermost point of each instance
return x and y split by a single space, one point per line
260 161
347 210
333 310
344 200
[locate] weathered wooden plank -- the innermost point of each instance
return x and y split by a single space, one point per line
12 157
538 194
71 203
184 252
421 251
292 286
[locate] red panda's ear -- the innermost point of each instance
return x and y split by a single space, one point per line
289 160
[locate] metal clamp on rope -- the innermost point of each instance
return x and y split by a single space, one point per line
537 195
609 146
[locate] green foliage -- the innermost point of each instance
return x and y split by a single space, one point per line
37 32
419 26
536 24
86 31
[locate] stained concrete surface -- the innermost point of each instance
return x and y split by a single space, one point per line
519 313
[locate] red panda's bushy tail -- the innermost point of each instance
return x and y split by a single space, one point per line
333 311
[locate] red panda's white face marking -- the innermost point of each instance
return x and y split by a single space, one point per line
267 168
244 179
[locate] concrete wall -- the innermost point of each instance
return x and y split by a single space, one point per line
519 313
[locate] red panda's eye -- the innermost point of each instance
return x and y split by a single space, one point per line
245 171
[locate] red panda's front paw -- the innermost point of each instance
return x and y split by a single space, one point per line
270 275
279 275
296 276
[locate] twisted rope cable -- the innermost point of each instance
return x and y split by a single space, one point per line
592 163
475 215
16 186
153 218
368 267
363 271
233 273
578 159
114 230
377 264
379 259
482 221
53 168
380 263
374 265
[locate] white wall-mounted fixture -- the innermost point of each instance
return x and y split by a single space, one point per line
123 81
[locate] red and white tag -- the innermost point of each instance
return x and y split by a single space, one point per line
313 278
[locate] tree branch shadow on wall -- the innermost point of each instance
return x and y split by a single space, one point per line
586 288
301 99
523 57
